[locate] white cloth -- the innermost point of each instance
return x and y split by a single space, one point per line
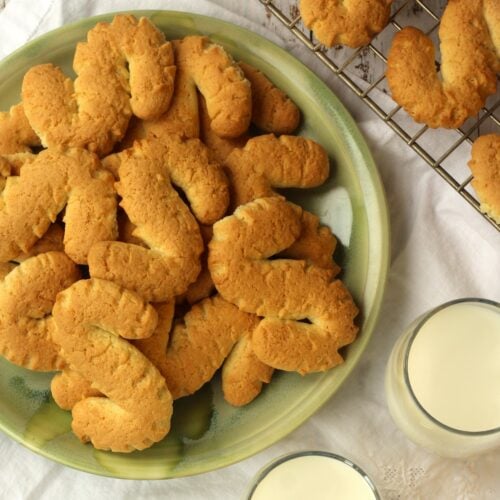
441 250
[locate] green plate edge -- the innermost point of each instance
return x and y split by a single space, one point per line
368 178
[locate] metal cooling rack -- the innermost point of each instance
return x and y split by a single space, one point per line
439 148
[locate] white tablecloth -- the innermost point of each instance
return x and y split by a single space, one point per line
441 250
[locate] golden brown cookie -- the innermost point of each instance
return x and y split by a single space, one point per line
47 182
315 244
187 164
350 22
282 290
199 289
219 148
469 64
124 67
90 216
181 118
91 316
27 295
171 261
196 291
51 241
155 346
69 387
16 134
220 81
198 346
272 110
203 287
161 218
243 373
268 161
485 167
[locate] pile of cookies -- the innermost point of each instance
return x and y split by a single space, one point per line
142 243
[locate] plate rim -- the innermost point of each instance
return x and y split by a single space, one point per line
384 235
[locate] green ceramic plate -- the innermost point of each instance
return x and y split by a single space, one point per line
207 433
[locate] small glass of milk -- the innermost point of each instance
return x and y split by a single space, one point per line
443 379
312 475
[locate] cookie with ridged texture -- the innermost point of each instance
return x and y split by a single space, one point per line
268 162
203 287
27 296
125 67
243 373
51 241
485 167
155 346
198 345
283 291
213 332
90 216
47 183
220 81
469 35
350 22
69 387
272 110
16 134
218 147
316 243
93 319
181 117
188 165
196 291
162 221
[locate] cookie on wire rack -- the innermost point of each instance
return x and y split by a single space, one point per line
469 36
485 166
350 22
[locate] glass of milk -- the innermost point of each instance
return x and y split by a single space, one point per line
443 379
312 475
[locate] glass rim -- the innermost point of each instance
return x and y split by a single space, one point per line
291 456
414 334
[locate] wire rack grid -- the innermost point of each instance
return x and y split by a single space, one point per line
438 154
